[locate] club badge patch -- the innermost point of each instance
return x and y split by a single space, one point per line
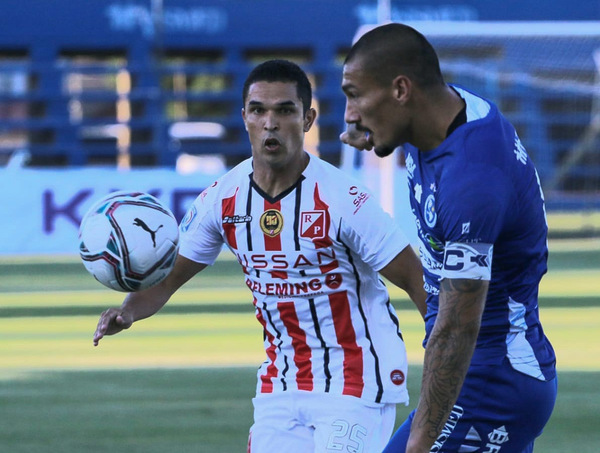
271 222
312 224
430 214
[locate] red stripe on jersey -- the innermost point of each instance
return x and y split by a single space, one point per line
228 209
244 263
346 337
329 267
320 205
266 379
279 274
302 354
272 243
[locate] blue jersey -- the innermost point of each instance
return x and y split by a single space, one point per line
480 214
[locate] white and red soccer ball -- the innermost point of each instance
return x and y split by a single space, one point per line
129 241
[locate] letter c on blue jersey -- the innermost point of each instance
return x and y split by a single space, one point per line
454 260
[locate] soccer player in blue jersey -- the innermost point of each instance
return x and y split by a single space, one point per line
489 381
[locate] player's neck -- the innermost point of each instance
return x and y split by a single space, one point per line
274 180
439 112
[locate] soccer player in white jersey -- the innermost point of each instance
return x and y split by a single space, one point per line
310 242
489 378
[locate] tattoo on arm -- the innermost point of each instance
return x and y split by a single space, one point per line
449 351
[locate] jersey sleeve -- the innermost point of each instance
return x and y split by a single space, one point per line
472 209
201 239
369 231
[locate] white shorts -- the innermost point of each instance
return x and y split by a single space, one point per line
305 422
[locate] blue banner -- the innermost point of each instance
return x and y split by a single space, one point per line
41 209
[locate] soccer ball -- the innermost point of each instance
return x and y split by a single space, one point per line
128 241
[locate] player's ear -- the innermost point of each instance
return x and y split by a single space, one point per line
244 118
402 87
309 118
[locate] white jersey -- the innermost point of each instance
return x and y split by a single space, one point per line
310 257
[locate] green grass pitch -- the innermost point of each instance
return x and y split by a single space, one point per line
183 380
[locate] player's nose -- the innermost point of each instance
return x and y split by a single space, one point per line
271 122
351 114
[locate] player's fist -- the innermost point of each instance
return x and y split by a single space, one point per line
355 138
112 321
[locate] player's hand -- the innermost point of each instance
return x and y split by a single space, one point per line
112 321
356 138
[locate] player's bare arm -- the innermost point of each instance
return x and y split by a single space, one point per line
447 357
143 304
405 271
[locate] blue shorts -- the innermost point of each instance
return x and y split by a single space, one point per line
498 410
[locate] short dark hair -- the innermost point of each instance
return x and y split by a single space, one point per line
281 71
392 49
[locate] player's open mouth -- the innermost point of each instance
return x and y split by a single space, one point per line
368 133
271 144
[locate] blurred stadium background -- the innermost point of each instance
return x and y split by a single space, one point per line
102 95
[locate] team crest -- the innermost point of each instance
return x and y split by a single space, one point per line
430 214
312 224
271 222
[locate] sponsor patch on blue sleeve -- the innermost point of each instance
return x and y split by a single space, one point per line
472 261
